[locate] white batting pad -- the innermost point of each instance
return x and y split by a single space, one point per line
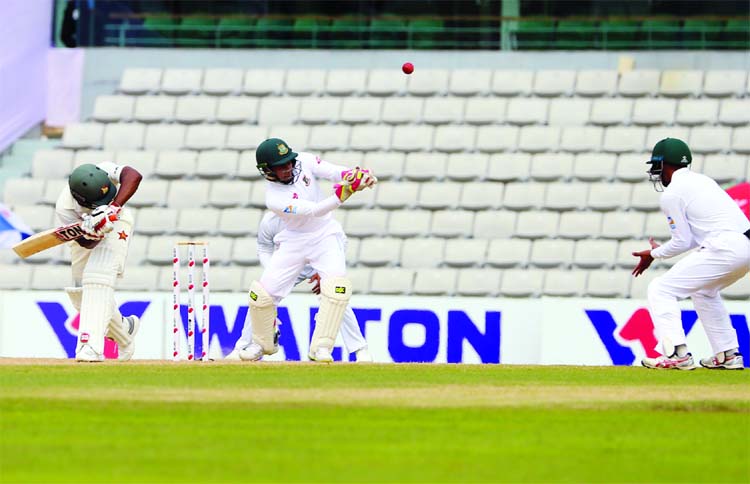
96 311
334 297
262 317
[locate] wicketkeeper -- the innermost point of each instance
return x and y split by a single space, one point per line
311 236
95 196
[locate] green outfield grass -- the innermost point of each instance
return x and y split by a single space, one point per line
165 422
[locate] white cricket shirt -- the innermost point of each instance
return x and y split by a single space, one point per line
696 208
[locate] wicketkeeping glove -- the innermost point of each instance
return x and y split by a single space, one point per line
343 192
358 178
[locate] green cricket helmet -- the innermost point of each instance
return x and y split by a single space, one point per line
275 152
91 186
670 151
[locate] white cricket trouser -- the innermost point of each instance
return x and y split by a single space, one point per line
722 260
350 333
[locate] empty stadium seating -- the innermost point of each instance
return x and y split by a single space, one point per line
509 183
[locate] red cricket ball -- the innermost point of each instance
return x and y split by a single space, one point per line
408 67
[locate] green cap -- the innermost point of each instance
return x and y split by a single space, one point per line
671 151
273 152
91 186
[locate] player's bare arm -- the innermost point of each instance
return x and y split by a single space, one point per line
645 258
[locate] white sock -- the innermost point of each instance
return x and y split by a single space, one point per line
681 351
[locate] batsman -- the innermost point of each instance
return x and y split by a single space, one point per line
310 236
95 196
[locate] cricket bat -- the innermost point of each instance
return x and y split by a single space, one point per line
50 238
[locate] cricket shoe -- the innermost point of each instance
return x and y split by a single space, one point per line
251 352
723 361
321 355
673 362
363 355
233 356
87 355
131 324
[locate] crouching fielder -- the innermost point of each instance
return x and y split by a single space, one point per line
310 236
95 196
354 341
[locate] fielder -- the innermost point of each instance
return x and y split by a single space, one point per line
700 214
95 196
310 236
354 342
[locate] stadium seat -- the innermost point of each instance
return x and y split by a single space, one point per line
611 111
93 157
579 225
246 138
658 133
22 191
305 82
38 217
222 81
465 252
554 83
175 164
596 82
360 277
624 256
412 138
262 82
150 193
452 223
435 282
623 225
649 112
181 81
623 139
561 196
548 253
639 83
409 223
734 112
509 167
438 195
52 190
536 139
425 166
591 254
609 196
681 83
258 194
51 163
551 166
229 193
523 111
478 282
443 110
164 137
385 165
593 166
725 168
188 193
297 137
466 166
352 251
371 138
606 283
494 224
382 82
512 82
522 282
709 139
143 161
469 82
346 82
454 138
524 196
124 136
83 135
741 140
278 110
137 247
644 198
367 223
237 222
402 110
481 195
657 226
494 139
391 280
140 80
537 224
329 137
569 111
691 112
195 109
485 110
237 109
51 278
156 221
418 252
216 164
319 110
561 283
379 251
361 110
246 166
581 139
428 82
507 253
112 108
226 279
724 83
